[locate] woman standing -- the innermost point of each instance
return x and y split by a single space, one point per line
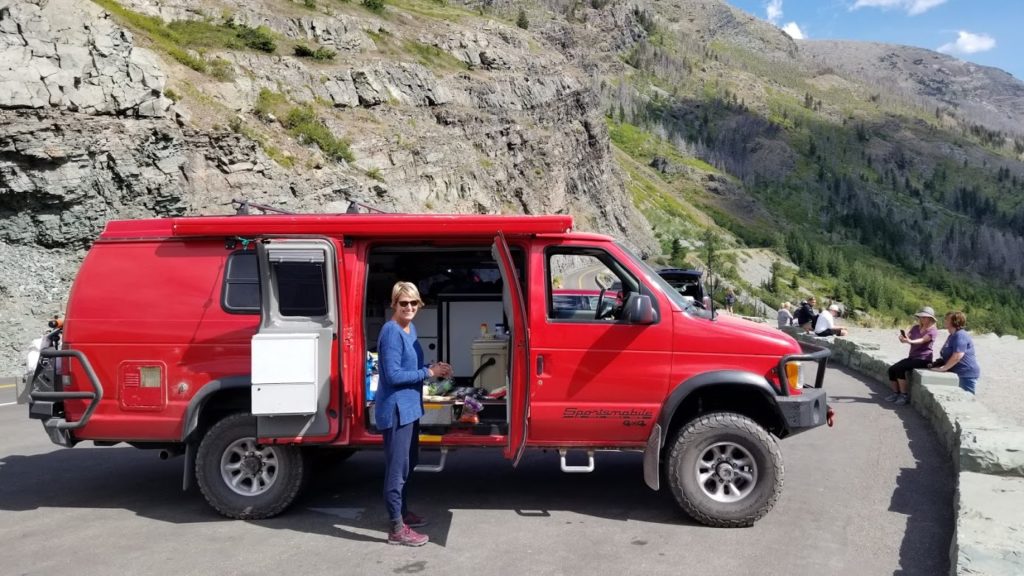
785 316
399 406
921 339
957 353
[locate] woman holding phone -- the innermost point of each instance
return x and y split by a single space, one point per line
920 338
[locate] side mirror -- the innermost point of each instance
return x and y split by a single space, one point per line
639 310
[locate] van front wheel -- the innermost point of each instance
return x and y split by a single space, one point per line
725 470
243 479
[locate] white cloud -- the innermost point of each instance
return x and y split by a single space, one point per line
774 10
968 43
794 31
913 7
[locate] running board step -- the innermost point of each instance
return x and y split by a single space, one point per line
577 469
433 467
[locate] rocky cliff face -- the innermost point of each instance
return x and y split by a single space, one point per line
464 115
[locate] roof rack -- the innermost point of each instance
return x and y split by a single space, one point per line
243 206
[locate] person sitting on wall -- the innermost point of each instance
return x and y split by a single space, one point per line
921 338
805 315
785 316
825 325
957 354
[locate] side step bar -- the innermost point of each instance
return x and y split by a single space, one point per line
576 469
434 467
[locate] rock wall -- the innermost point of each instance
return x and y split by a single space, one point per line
483 120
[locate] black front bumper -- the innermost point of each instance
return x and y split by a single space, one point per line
805 410
809 408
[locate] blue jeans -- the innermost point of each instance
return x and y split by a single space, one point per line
401 454
968 384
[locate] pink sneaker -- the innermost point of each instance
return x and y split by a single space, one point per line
407 537
413 521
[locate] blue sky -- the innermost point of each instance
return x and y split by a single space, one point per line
989 32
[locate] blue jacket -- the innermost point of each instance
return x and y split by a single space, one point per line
400 361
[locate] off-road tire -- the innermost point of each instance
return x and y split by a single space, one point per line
290 476
697 436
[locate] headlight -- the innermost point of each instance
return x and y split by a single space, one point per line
32 356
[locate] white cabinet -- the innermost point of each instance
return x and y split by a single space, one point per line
284 374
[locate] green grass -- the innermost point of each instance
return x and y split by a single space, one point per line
176 38
432 56
644 146
303 122
432 9
425 54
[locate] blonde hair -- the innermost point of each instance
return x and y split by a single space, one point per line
407 288
786 305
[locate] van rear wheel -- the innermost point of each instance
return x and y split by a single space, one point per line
243 479
725 470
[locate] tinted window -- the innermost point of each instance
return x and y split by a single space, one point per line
241 291
301 288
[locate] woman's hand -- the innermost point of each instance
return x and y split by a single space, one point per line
440 370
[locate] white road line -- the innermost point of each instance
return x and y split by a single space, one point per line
8 404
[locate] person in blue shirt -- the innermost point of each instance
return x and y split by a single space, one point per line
399 406
957 353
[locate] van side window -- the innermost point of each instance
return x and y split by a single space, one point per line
240 293
586 285
301 288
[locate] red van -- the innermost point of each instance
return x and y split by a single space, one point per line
242 343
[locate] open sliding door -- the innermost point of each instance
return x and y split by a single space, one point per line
291 352
519 352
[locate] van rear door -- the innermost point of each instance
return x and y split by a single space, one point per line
292 351
515 311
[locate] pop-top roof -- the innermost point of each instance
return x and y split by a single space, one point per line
375 225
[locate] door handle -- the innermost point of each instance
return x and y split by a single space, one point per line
540 365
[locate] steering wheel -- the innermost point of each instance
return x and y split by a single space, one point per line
600 304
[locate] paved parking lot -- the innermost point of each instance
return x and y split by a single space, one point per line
872 496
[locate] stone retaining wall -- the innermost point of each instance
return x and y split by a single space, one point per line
987 456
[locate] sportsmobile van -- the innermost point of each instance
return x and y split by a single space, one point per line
241 343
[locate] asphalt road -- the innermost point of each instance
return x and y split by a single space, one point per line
872 496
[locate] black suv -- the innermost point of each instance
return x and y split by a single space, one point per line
689 283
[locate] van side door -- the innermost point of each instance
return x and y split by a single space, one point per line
600 372
519 335
294 349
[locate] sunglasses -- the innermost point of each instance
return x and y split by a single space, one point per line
408 303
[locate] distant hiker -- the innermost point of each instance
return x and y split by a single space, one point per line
730 299
785 316
957 354
825 325
805 315
921 337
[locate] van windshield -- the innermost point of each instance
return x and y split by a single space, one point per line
684 303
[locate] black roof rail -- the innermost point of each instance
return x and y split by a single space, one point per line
243 206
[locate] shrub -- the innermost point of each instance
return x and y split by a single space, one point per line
303 122
222 70
268 102
171 95
321 54
260 38
374 5
522 21
311 4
